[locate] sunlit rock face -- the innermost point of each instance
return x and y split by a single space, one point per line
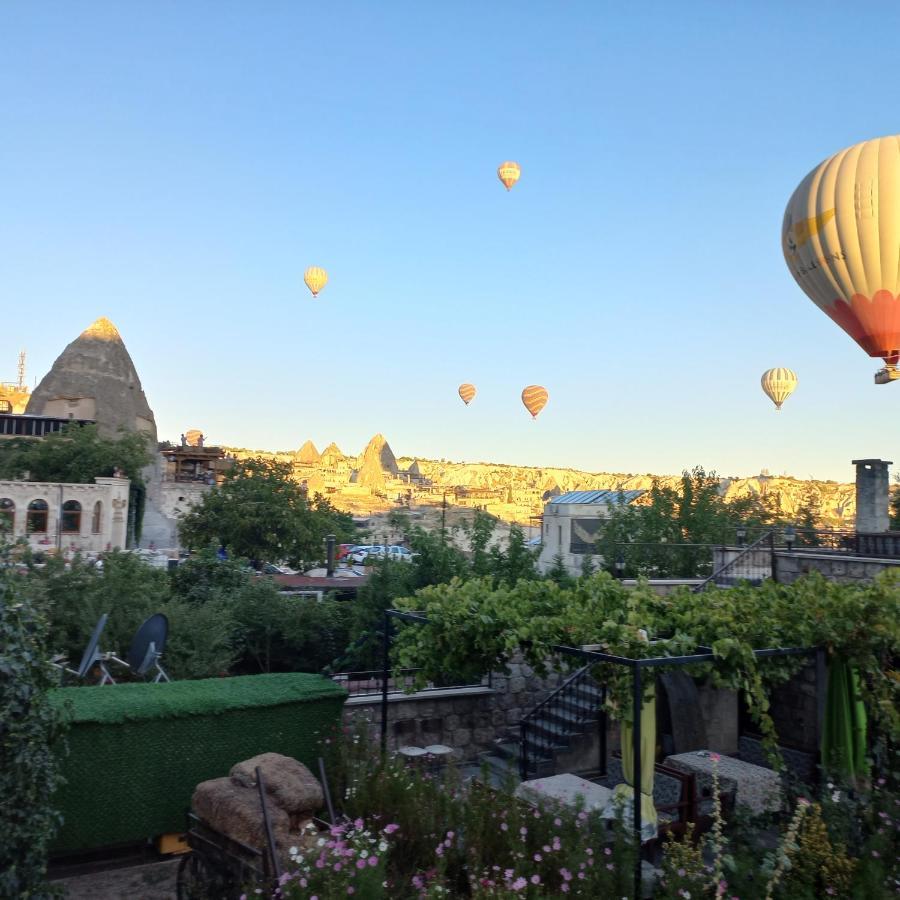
94 378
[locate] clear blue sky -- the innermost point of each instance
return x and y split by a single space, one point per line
177 165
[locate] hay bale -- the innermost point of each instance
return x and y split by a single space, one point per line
292 787
234 809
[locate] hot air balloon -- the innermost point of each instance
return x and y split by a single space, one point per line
841 241
509 172
467 393
535 399
778 384
315 279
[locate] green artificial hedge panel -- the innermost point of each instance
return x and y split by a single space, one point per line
137 751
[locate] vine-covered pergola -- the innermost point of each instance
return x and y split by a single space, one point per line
637 667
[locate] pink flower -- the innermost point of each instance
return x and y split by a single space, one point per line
609 866
557 822
566 874
360 864
519 883
715 757
390 829
351 889
876 854
538 857
535 879
359 824
523 831
373 861
504 826
681 873
564 888
607 851
450 835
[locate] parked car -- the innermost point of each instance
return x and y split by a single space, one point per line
379 551
361 554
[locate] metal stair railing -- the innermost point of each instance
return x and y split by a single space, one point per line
563 704
769 537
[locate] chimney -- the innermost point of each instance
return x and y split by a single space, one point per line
872 495
329 545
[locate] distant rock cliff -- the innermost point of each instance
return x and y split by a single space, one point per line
520 490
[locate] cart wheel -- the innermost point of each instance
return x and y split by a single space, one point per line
194 877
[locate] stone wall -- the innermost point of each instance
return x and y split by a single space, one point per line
834 566
470 720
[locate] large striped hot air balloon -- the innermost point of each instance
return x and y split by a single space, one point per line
778 384
508 172
535 399
841 241
467 393
315 279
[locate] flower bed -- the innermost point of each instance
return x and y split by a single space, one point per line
412 835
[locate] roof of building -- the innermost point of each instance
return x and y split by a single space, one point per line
607 497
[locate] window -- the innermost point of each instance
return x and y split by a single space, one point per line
5 406
36 517
71 517
7 514
97 518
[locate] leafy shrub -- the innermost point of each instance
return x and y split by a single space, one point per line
29 734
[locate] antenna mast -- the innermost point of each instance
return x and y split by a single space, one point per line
21 368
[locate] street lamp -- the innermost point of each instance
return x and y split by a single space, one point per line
790 535
741 535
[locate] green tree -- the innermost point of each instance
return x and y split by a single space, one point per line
480 531
514 562
260 513
76 455
30 734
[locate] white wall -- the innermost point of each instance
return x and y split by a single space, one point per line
112 493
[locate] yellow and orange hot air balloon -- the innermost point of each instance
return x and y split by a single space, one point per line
467 393
535 399
841 241
315 279
778 385
508 172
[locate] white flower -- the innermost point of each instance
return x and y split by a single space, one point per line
320 842
382 846
363 854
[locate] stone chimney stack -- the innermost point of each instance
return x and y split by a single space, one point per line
872 495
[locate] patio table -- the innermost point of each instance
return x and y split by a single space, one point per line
754 787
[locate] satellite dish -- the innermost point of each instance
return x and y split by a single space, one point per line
147 647
92 655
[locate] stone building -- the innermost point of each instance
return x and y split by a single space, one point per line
83 517
572 523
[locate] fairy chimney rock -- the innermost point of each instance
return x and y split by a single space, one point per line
95 378
307 454
379 451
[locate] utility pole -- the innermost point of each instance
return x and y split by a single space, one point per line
444 519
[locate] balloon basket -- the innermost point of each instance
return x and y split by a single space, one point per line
887 375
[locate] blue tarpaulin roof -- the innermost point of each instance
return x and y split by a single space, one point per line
607 498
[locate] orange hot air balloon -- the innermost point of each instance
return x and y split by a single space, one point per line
315 279
509 172
841 240
535 399
467 393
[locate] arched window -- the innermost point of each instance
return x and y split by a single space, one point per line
7 514
36 517
97 519
71 517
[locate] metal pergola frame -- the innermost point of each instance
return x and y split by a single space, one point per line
637 666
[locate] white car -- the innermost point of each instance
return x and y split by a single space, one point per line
379 551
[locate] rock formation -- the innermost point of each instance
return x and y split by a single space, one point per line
379 449
308 455
94 378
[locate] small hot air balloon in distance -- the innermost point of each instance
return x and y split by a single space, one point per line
841 241
467 393
778 384
535 399
315 279
509 172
